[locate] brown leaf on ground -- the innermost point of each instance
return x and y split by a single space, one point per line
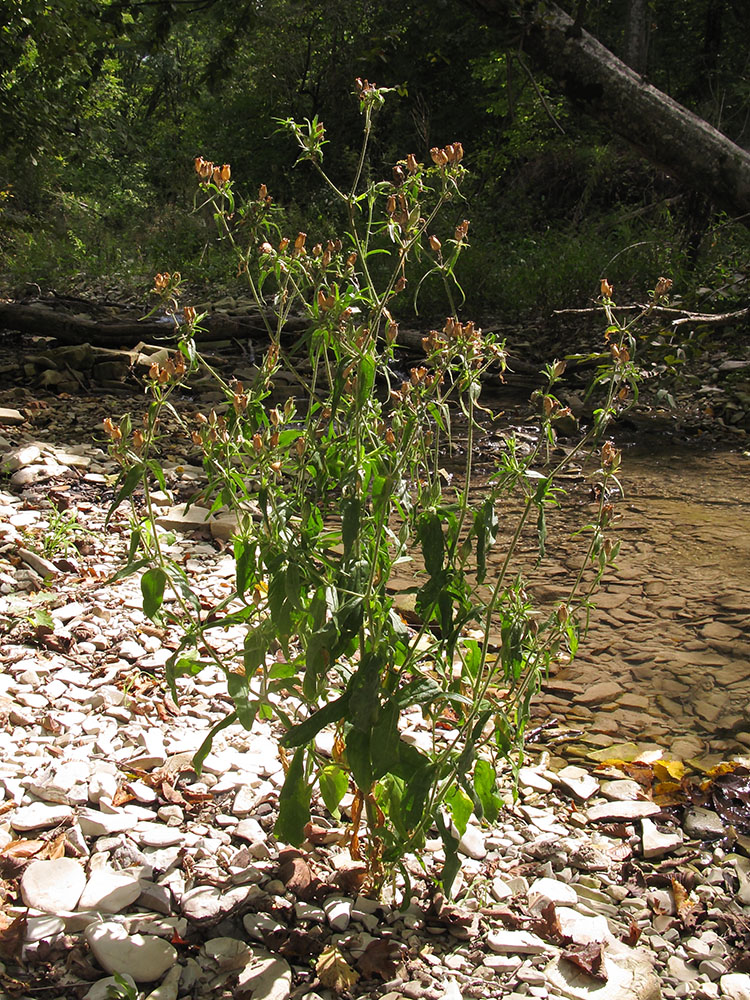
54 849
333 970
23 848
294 872
351 877
587 957
688 910
632 934
12 937
382 958
295 945
171 795
547 925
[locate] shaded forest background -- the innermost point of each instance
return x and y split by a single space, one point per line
105 103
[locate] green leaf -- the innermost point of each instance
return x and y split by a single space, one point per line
129 483
237 689
430 533
333 787
205 748
384 741
485 782
460 807
450 847
294 803
350 520
306 731
358 758
420 691
153 582
243 565
364 704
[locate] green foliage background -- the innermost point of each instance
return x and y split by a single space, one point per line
105 103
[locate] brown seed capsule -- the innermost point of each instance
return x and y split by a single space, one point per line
390 437
257 442
606 289
299 243
398 175
435 243
411 163
262 192
390 205
283 244
400 284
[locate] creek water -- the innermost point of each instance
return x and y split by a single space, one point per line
667 655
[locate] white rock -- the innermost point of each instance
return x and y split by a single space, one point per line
109 891
41 566
146 957
655 844
102 785
95 823
40 816
582 929
550 890
338 910
157 835
630 976
169 987
266 977
258 924
104 989
578 782
53 886
621 811
207 902
735 986
515 942
472 843
528 777
43 928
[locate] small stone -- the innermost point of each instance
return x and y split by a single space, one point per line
169 987
259 924
472 843
109 891
40 816
515 942
735 986
53 886
266 977
207 902
703 824
10 416
108 987
681 970
623 790
656 844
530 778
338 910
94 823
41 566
621 811
578 782
550 890
157 835
597 693
146 957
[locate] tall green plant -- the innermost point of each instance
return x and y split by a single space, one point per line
336 490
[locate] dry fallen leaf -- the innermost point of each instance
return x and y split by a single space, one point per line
382 958
587 957
12 938
333 970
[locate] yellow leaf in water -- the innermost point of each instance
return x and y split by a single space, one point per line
333 970
669 770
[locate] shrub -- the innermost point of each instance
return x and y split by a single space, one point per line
336 489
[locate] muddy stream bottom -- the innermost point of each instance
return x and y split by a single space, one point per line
667 655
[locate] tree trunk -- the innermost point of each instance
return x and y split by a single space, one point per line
635 51
666 133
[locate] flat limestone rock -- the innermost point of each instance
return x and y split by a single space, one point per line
10 416
621 811
144 956
109 891
630 976
53 886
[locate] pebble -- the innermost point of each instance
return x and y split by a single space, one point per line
53 886
109 891
144 956
515 942
703 824
735 986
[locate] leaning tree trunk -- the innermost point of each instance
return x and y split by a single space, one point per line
664 131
